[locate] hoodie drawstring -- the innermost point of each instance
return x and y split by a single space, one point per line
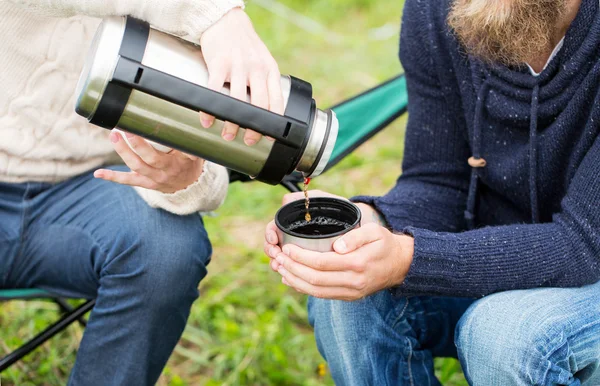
476 161
533 194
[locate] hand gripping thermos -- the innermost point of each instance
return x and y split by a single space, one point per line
153 84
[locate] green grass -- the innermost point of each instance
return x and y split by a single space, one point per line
247 328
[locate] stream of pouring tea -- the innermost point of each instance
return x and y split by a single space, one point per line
306 200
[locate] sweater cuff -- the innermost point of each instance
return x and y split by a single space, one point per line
369 200
204 195
436 266
375 201
202 14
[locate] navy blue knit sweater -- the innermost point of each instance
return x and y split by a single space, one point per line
529 218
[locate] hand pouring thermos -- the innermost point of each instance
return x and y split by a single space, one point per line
153 84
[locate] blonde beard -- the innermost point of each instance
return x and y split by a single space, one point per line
509 32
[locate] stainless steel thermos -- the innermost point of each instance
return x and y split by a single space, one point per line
150 83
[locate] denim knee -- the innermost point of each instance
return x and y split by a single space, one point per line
341 326
179 267
503 339
165 255
369 341
342 331
334 323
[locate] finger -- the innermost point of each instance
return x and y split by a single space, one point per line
274 265
320 278
146 152
358 238
271 233
274 251
274 89
258 97
131 159
238 90
328 261
271 250
216 77
125 178
339 293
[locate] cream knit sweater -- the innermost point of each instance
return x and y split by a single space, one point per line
42 50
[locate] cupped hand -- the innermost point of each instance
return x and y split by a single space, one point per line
271 244
364 261
150 168
234 53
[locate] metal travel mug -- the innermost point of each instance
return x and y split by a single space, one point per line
153 84
325 211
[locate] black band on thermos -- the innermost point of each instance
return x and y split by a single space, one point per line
115 97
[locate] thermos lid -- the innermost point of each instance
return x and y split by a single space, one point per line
330 141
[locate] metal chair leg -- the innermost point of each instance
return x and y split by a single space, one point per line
291 186
48 333
66 308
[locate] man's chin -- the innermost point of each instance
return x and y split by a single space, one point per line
513 33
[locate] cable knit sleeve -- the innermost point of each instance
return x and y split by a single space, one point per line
432 191
205 195
185 18
563 253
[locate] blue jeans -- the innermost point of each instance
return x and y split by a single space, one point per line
94 239
532 337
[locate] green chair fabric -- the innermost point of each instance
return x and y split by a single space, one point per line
364 115
360 118
13 294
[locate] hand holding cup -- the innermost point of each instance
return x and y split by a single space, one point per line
361 261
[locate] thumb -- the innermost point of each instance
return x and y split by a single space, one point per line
357 238
271 234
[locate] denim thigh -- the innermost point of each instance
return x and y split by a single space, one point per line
383 339
11 220
546 336
69 235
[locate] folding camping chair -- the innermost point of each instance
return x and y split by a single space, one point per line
69 316
360 118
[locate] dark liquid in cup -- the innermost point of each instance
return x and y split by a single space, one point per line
319 226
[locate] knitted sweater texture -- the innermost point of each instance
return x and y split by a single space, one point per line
42 51
530 217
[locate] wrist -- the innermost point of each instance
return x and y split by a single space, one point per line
190 178
370 214
234 17
199 168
